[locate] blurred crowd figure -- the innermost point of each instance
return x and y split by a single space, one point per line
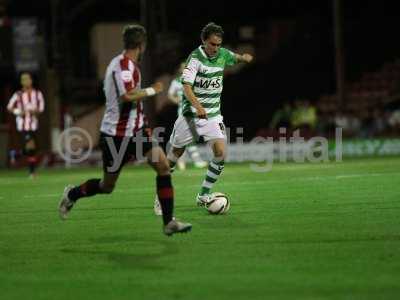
312 119
371 109
301 115
362 123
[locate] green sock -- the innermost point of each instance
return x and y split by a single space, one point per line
214 170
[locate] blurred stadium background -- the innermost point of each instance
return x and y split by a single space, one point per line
301 231
319 65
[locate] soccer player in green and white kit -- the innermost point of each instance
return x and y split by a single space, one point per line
175 95
202 81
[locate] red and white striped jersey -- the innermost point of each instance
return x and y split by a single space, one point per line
26 105
122 118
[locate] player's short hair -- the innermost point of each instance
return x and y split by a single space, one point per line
133 36
210 29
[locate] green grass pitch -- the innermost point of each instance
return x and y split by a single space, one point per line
301 231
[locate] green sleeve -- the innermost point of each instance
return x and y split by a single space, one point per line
230 57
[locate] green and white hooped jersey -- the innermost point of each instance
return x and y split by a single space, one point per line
176 89
205 74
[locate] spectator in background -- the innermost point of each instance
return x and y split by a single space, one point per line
295 117
304 116
309 115
281 117
394 120
349 121
326 120
342 121
373 123
354 123
366 124
379 122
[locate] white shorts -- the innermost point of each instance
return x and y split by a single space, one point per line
187 131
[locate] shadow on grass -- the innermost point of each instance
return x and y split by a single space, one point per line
143 255
55 211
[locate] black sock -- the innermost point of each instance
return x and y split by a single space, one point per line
87 189
165 194
32 164
32 167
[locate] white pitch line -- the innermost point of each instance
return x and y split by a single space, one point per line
361 175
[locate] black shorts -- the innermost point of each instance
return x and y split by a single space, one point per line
116 151
28 137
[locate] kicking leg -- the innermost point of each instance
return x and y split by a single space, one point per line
89 188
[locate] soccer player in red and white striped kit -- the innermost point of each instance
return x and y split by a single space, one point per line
123 131
26 104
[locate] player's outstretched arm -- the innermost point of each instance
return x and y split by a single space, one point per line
201 112
247 58
135 95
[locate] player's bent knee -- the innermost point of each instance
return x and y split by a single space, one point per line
219 151
177 152
219 154
163 168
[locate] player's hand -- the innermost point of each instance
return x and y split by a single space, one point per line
201 113
18 112
247 58
158 87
